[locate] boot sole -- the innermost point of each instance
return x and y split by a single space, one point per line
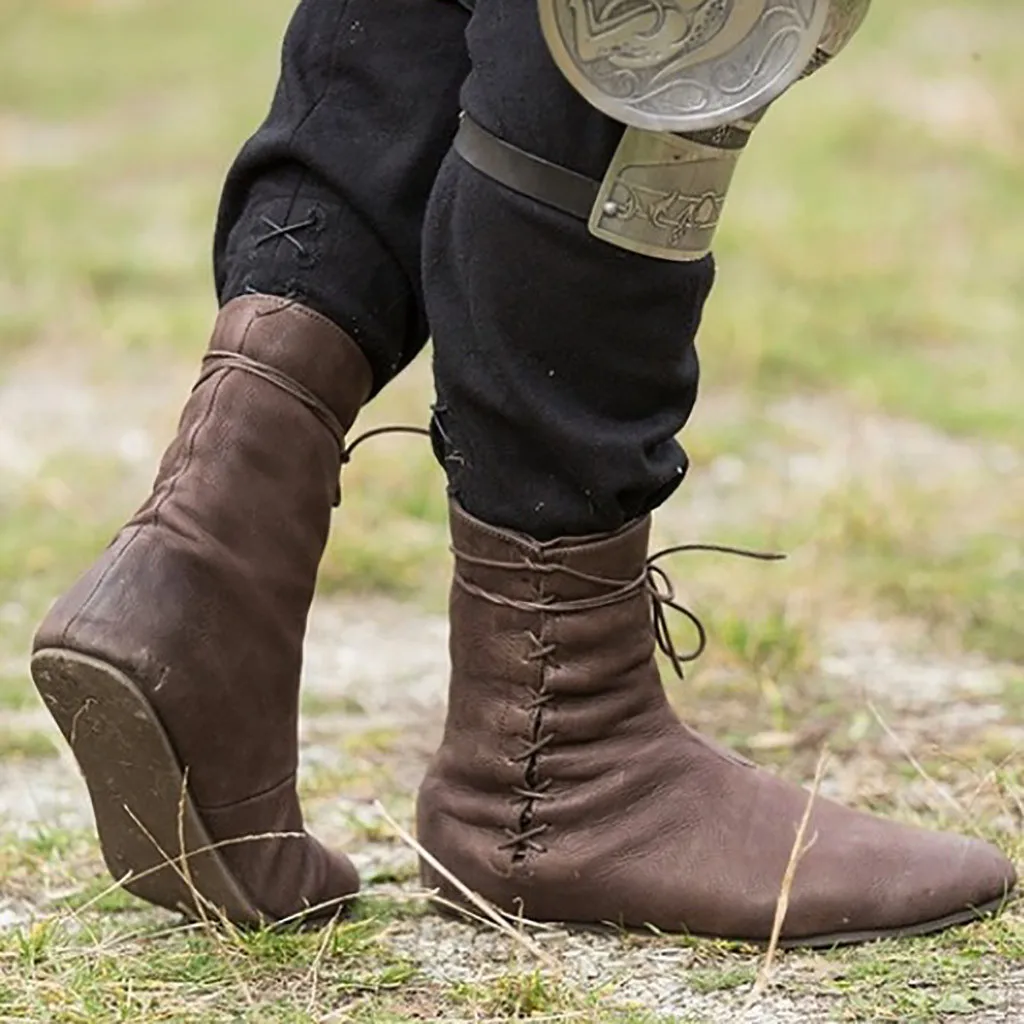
911 931
153 840
832 941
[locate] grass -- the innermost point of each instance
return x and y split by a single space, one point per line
861 410
151 974
94 954
923 249
25 744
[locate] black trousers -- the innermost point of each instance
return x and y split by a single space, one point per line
564 366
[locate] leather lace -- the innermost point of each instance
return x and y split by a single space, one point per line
652 580
346 455
218 359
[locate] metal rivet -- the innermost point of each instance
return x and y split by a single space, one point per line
612 208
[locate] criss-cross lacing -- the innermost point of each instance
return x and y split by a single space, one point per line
285 231
652 580
534 789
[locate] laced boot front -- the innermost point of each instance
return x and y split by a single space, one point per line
567 790
172 665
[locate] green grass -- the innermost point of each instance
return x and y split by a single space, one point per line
872 245
25 744
119 115
871 267
73 973
15 693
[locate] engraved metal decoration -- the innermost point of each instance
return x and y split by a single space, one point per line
683 65
844 18
663 194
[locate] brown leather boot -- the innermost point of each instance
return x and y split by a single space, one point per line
172 666
566 788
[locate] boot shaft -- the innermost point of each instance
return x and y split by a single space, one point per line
206 590
569 620
254 468
553 681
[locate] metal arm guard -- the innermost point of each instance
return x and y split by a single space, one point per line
690 79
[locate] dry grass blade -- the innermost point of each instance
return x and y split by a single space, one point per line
180 865
315 911
915 763
314 971
186 868
176 864
493 916
465 911
118 883
800 847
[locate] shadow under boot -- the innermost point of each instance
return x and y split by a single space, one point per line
566 789
172 665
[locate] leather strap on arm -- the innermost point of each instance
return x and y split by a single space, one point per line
523 172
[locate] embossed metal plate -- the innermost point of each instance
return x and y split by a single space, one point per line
682 65
663 194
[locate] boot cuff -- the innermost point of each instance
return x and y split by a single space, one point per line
507 562
301 343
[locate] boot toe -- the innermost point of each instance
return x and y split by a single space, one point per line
955 877
285 871
924 883
297 879
334 880
868 877
988 876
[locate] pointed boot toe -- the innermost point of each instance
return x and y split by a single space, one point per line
955 878
865 878
986 880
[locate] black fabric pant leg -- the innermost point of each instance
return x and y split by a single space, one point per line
564 366
325 202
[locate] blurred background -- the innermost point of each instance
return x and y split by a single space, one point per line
861 408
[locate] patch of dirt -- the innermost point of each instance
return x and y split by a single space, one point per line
842 441
50 407
891 660
42 793
647 974
815 446
382 656
28 143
